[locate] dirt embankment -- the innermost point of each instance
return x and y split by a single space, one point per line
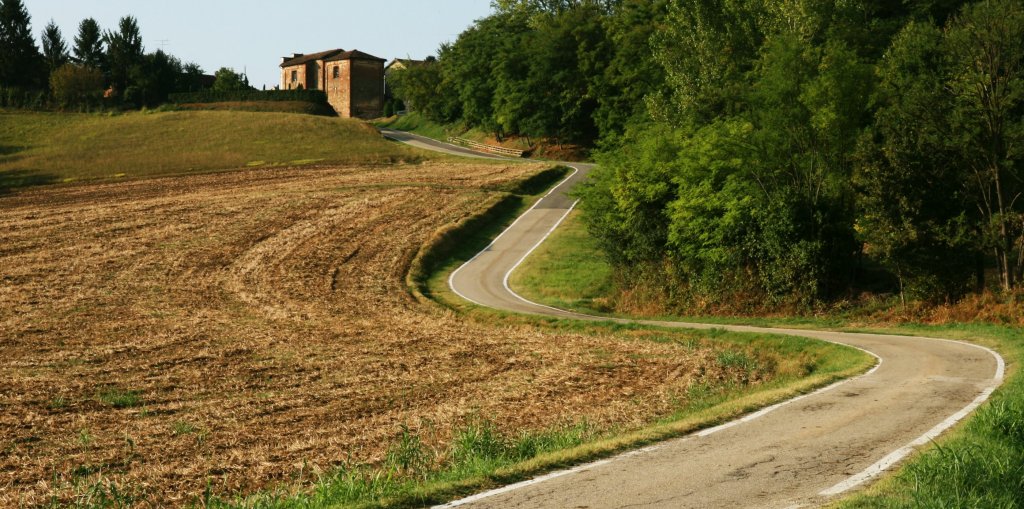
249 329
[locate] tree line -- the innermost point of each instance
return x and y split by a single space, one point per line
96 66
789 152
572 71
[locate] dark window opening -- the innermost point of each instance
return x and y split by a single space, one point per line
295 76
337 72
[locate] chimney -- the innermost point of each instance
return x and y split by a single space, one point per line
296 55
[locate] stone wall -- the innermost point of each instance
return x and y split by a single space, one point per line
286 77
367 88
338 87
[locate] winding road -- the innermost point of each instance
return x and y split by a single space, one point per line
799 453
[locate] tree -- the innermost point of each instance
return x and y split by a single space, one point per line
75 85
156 77
913 212
632 74
191 78
983 45
88 50
419 88
124 52
227 80
21 65
55 50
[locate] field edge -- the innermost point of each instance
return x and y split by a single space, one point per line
428 283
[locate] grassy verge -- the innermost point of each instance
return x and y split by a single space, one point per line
418 124
44 148
979 464
566 271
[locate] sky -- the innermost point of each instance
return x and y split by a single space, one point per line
253 35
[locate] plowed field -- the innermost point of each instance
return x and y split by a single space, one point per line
246 329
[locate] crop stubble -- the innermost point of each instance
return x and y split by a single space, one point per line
261 316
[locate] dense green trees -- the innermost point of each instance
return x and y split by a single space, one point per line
21 65
569 71
797 143
135 78
941 174
788 152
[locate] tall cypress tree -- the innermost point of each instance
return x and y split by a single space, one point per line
88 49
55 50
20 61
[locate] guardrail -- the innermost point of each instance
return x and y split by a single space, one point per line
486 148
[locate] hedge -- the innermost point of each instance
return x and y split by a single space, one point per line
210 96
11 97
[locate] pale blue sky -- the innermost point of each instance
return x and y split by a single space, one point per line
253 35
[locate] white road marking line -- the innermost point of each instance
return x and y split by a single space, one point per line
894 457
545 477
451 278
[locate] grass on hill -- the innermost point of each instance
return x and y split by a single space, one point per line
42 148
979 464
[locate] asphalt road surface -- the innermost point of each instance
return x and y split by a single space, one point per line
799 453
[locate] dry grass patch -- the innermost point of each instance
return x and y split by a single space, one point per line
248 330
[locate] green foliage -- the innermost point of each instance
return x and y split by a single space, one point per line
76 86
120 398
124 52
14 97
571 71
89 50
155 77
420 88
793 138
227 80
55 50
939 180
21 65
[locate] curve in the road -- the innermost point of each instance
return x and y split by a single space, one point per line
796 453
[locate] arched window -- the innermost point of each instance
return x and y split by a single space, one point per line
337 72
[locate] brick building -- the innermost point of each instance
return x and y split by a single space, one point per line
353 80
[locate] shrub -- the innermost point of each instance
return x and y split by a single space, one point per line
75 85
14 97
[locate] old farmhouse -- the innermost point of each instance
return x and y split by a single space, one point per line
353 80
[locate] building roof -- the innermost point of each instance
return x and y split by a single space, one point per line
299 58
352 55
